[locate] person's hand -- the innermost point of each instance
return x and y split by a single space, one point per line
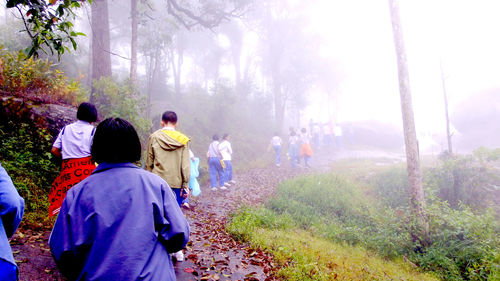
184 192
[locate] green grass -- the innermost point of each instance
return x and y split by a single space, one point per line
364 227
302 255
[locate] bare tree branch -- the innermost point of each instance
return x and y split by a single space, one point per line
174 9
24 22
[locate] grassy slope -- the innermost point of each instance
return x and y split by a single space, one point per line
292 227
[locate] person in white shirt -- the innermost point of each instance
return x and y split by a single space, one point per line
226 152
215 169
276 144
72 145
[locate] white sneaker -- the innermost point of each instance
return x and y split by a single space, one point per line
178 256
227 184
213 188
223 187
232 181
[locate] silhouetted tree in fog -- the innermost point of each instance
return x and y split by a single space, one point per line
417 199
101 58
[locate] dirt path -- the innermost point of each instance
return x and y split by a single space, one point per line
211 254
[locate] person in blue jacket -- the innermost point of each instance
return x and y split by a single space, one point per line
11 213
121 222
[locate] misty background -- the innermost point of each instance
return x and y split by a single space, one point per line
331 61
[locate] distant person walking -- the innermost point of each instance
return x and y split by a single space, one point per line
215 169
11 213
337 132
276 144
168 157
293 148
73 146
305 150
226 151
122 222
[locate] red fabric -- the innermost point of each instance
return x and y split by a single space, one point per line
73 171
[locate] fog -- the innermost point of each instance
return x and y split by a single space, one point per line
331 61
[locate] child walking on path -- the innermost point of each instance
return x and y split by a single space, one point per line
226 151
215 168
276 144
73 146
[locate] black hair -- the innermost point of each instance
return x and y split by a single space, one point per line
86 112
115 141
225 136
169 116
215 137
303 130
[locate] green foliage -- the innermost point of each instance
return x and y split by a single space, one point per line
37 80
48 24
392 187
472 180
25 154
301 255
464 245
121 100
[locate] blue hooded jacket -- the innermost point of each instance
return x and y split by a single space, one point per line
120 223
11 213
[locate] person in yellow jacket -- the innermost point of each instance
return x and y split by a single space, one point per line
168 157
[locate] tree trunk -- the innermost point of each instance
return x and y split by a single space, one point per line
448 134
133 43
151 75
417 200
101 58
279 105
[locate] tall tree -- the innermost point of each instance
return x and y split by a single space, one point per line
176 55
447 117
417 199
101 58
133 43
235 34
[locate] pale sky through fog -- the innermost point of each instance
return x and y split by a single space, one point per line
465 34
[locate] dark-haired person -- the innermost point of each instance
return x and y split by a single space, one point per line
122 222
168 157
226 152
215 169
11 213
73 146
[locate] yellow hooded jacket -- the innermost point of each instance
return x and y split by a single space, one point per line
168 157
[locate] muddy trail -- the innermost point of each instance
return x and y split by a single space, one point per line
211 254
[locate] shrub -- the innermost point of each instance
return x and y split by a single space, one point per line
471 180
25 154
115 99
464 245
37 80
